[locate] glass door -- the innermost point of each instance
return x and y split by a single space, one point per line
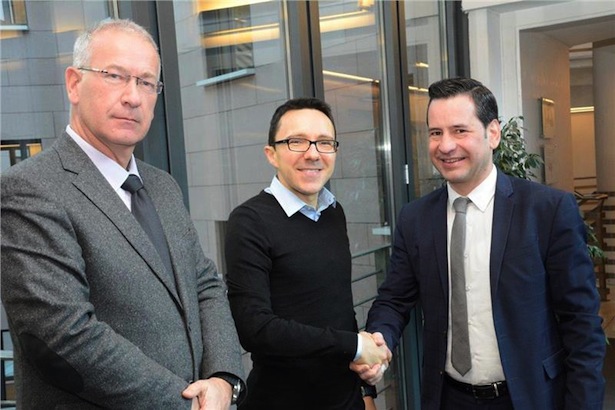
352 62
425 51
232 69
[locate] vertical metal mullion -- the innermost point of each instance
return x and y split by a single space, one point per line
23 149
303 49
174 121
454 32
113 8
396 107
11 13
397 112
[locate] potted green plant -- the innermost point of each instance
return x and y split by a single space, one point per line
511 155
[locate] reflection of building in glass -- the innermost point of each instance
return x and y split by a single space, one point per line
236 53
17 150
13 15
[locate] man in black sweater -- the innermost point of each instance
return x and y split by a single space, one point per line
289 275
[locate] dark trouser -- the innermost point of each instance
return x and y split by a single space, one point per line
275 388
455 399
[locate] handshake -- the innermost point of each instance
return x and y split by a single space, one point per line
374 359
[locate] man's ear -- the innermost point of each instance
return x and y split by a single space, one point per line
270 153
72 77
494 133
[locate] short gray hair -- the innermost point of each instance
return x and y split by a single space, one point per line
82 49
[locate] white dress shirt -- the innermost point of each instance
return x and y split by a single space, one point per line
111 170
486 363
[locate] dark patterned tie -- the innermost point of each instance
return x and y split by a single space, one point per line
144 211
460 354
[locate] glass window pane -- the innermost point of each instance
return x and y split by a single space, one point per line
352 71
425 65
13 13
34 103
17 150
232 63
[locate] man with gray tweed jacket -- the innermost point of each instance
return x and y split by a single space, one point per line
100 316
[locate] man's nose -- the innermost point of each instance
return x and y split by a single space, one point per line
312 152
131 94
447 143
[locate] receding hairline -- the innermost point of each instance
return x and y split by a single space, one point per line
83 44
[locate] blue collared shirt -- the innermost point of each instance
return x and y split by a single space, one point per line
291 204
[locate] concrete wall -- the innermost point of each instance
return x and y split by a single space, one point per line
545 73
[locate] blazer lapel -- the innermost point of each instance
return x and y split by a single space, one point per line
503 207
95 187
166 206
438 215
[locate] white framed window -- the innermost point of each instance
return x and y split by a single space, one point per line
13 15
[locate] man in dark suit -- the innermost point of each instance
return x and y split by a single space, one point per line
103 314
529 297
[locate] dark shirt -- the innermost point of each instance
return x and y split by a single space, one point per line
289 284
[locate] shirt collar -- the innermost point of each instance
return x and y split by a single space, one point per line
481 195
291 204
111 170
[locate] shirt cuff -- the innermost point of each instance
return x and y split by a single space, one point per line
359 348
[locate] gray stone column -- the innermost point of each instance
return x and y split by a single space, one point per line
604 114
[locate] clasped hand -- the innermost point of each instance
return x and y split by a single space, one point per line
210 394
374 359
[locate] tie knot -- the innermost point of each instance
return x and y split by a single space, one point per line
461 204
132 184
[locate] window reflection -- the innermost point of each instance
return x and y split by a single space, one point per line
237 52
13 15
34 105
14 151
233 74
424 48
352 72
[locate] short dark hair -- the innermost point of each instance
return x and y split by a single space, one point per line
301 103
485 104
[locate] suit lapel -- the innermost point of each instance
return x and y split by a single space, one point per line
95 187
438 209
166 208
503 207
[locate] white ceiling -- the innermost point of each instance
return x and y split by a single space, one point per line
581 32
580 36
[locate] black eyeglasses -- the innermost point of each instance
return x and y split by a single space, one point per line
117 79
303 145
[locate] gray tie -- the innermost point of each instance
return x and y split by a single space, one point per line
460 354
145 213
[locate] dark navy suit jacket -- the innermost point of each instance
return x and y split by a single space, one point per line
545 303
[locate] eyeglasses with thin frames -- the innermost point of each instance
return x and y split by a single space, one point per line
117 79
303 145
